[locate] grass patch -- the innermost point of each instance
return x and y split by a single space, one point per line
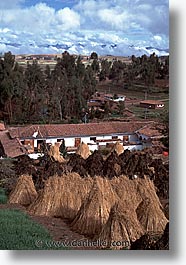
3 196
19 232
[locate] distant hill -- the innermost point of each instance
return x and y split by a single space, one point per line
85 48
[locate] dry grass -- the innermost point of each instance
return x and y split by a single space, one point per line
140 196
55 154
126 189
121 228
149 211
62 196
95 210
118 148
83 150
24 192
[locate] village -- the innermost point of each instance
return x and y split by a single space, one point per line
112 151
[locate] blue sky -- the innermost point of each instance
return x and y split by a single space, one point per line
129 22
57 4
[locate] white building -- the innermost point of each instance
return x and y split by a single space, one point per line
95 135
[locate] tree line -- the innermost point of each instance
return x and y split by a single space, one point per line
31 94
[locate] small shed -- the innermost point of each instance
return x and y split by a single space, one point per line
151 104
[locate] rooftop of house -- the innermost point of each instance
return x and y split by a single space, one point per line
2 126
12 147
151 101
151 130
73 130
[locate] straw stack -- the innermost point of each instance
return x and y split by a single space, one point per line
118 148
62 196
24 192
149 211
83 150
55 154
121 228
126 189
95 210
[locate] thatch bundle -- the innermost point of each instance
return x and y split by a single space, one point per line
49 200
24 192
121 228
126 189
75 191
95 210
118 148
140 196
62 196
149 211
55 154
83 150
151 216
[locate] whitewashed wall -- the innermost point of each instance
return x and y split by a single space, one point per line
70 141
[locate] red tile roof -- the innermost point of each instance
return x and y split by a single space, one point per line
12 147
72 130
151 101
2 126
150 130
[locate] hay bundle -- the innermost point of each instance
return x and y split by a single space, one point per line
95 210
24 192
62 196
121 228
126 189
55 154
75 191
83 150
49 200
118 148
149 211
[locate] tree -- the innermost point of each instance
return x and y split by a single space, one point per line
105 70
95 66
94 56
121 107
7 83
63 149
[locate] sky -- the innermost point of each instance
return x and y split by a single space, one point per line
33 26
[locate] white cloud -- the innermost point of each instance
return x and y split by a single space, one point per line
158 38
68 19
122 22
40 18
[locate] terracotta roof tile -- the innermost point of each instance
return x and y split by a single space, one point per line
151 101
2 126
72 130
12 147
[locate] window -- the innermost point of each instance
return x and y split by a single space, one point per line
92 138
60 140
77 142
114 137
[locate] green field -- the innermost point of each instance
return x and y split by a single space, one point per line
19 232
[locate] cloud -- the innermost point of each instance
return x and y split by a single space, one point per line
68 19
125 22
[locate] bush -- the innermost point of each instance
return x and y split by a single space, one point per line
19 232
